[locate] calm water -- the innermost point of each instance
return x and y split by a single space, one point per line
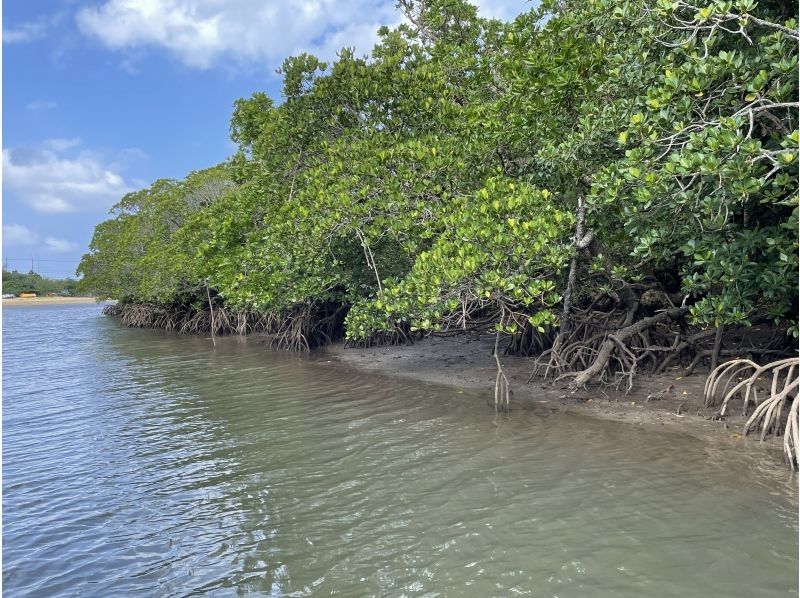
141 463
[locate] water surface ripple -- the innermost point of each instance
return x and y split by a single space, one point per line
140 463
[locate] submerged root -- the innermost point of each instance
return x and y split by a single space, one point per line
777 413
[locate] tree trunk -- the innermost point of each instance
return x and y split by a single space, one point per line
579 243
717 347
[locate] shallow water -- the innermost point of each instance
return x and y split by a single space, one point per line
136 462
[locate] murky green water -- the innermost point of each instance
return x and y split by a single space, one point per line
141 463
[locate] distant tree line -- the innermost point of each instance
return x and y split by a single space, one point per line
31 282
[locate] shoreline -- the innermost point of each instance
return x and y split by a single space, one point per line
669 402
665 402
39 301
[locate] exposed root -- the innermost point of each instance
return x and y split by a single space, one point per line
530 342
611 347
502 389
701 355
211 311
628 360
299 329
618 337
400 335
691 342
778 413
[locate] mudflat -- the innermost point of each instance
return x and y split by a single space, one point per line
667 401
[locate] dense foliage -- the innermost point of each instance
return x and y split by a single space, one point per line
437 182
31 282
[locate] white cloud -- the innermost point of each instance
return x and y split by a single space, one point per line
505 10
206 33
60 144
26 32
361 36
52 181
31 31
59 245
40 105
17 235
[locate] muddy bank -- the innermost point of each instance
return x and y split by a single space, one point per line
36 301
668 401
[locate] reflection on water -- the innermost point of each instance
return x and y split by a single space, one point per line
138 462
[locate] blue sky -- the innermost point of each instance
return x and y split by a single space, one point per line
101 98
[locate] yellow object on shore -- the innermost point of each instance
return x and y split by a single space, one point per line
27 295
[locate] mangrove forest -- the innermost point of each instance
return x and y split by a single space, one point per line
610 186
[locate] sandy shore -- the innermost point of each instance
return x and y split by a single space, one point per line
34 301
674 402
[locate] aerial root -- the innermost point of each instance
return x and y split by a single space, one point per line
610 347
531 342
502 389
778 413
301 328
399 333
613 347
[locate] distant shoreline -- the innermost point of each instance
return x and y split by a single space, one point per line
38 301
